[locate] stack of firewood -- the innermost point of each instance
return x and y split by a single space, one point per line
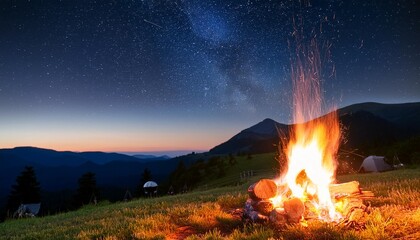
258 206
348 199
351 197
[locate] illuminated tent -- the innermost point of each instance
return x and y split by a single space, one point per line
150 188
374 164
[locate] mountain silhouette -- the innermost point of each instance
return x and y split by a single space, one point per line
48 157
364 125
259 138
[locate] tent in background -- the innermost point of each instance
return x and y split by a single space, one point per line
28 210
150 188
375 164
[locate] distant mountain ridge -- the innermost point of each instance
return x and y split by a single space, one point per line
364 125
390 112
404 118
148 157
48 157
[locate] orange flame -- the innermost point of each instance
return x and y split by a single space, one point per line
311 162
313 142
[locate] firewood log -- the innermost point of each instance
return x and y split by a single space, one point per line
294 209
263 189
348 188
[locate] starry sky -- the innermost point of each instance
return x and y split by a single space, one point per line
156 75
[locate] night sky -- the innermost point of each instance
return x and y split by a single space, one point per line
146 75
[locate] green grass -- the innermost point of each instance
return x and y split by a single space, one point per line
210 215
262 165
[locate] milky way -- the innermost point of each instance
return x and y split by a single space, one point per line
202 63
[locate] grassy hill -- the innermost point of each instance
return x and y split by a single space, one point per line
260 165
210 214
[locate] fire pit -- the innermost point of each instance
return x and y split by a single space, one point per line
273 202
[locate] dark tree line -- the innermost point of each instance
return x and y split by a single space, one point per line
27 189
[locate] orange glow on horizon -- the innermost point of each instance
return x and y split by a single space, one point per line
112 137
114 143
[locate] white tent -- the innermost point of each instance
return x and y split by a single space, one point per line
150 188
374 164
150 184
28 210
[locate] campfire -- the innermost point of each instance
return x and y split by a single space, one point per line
305 189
